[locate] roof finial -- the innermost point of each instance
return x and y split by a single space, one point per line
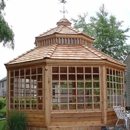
64 11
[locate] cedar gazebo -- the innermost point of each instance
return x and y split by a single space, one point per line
64 82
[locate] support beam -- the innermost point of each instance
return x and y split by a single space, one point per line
7 94
104 95
47 101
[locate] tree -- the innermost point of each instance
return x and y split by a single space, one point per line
109 36
6 33
62 1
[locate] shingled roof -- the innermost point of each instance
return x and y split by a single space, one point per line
60 51
63 27
65 51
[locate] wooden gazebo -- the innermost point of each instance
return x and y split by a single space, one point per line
64 82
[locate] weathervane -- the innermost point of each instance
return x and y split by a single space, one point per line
64 11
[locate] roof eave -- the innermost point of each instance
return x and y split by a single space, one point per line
87 36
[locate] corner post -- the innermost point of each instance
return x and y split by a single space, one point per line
104 96
7 93
47 106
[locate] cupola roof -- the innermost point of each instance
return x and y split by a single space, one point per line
63 27
64 22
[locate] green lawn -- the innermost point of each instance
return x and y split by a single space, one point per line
2 124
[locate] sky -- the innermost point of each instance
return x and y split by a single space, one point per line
29 18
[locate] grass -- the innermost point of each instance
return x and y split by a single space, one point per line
17 121
2 124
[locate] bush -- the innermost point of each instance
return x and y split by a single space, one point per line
3 112
2 103
17 121
2 124
2 107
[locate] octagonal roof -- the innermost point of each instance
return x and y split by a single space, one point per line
60 52
64 51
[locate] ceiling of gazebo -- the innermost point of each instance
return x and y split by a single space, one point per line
63 51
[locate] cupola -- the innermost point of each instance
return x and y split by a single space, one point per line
64 22
63 34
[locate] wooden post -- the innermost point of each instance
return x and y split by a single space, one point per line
104 95
7 93
124 104
47 94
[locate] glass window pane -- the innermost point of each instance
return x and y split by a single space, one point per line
88 85
80 91
55 69
87 69
80 77
88 91
71 69
63 77
79 69
80 84
95 70
33 71
88 77
55 77
63 69
71 77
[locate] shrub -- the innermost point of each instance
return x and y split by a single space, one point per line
3 125
3 112
2 107
2 103
17 121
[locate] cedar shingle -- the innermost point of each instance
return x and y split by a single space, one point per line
63 51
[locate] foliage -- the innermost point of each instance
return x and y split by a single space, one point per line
2 107
2 102
109 36
6 33
17 121
3 112
2 124
27 101
62 1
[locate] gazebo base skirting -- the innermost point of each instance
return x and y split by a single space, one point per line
70 121
87 123
72 127
68 128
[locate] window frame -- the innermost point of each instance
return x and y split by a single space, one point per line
74 75
26 89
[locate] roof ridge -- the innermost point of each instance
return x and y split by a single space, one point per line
88 48
109 56
50 51
73 29
48 31
56 44
58 29
22 55
86 35
102 55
